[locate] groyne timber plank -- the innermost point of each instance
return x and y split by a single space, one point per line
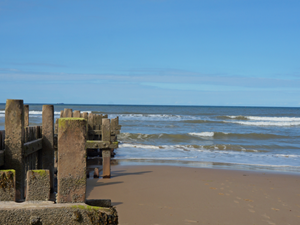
32 146
1 157
100 144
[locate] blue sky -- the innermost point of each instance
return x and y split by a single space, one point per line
164 52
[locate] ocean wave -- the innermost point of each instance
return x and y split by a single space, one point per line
127 145
173 138
203 134
262 118
154 117
257 136
233 117
201 148
201 121
266 123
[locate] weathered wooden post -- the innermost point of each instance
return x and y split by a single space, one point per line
76 113
106 151
26 115
14 140
71 173
47 151
84 115
90 122
68 113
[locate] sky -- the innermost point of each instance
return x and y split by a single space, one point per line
153 52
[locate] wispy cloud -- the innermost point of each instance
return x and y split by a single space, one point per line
161 78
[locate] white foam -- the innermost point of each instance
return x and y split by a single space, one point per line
155 117
127 145
203 134
281 119
266 123
267 118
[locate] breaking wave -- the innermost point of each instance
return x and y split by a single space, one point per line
200 148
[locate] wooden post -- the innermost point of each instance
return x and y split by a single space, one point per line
47 151
106 152
26 115
71 172
84 115
14 140
61 114
91 125
68 113
76 113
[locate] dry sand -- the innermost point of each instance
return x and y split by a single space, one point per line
180 195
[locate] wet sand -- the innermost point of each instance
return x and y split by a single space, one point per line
181 195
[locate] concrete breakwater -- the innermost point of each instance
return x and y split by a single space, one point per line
29 157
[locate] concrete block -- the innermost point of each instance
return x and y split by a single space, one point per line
47 213
71 173
7 185
99 202
38 185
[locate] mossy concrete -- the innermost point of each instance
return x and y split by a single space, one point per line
71 175
7 185
49 213
38 185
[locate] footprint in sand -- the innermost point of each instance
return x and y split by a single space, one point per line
266 216
275 209
238 198
251 210
251 206
236 201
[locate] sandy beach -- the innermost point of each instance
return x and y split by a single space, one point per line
181 195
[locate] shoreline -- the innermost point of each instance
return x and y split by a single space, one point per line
203 164
185 195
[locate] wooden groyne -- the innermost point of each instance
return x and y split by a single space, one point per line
28 154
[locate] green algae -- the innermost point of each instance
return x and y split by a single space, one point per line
42 173
63 121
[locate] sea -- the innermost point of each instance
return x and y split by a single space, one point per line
247 138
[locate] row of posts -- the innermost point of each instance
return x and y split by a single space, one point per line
14 154
71 141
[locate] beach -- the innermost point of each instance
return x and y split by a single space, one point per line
183 195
